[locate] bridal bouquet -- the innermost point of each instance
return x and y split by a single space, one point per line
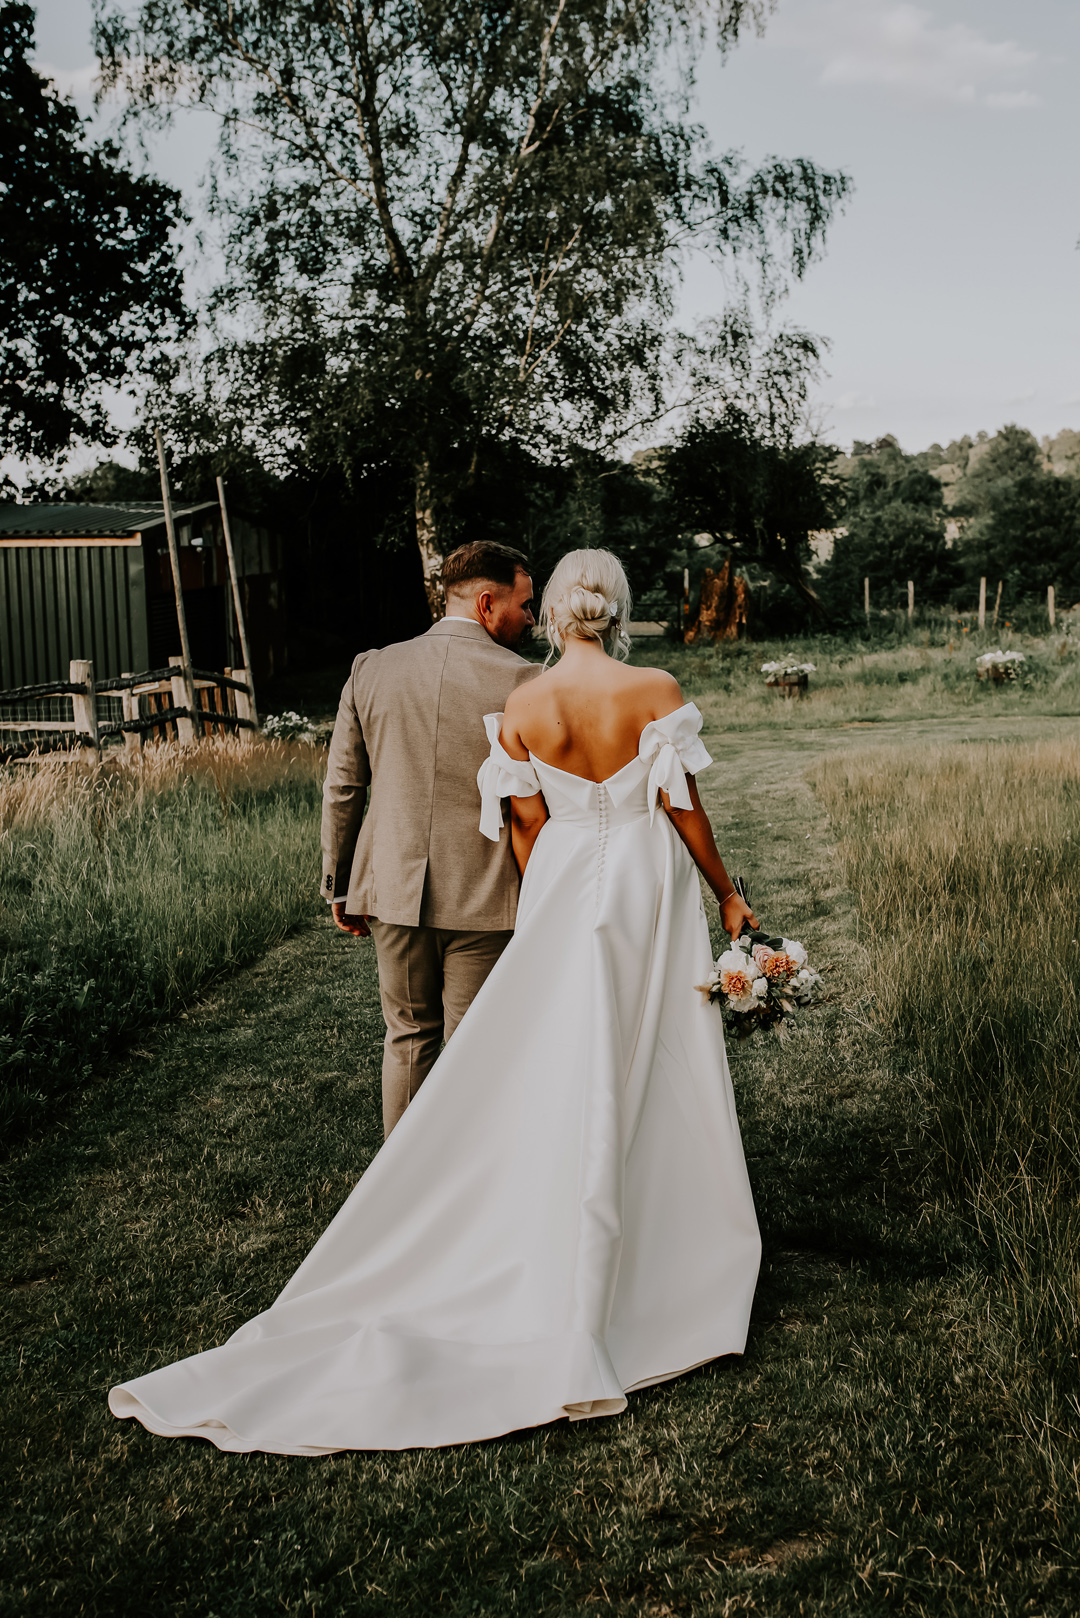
759 980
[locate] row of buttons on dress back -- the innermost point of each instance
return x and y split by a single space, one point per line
601 834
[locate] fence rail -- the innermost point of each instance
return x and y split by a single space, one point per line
163 703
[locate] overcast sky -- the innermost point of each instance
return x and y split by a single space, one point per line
951 287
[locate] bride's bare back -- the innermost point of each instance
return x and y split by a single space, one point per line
586 715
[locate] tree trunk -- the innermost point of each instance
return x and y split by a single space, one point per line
723 607
431 558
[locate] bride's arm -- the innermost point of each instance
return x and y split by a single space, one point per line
527 815
693 827
527 818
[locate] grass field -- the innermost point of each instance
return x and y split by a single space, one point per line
125 889
883 1446
855 682
924 673
965 864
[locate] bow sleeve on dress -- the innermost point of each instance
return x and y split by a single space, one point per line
499 777
675 746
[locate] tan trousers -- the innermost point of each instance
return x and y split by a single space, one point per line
428 979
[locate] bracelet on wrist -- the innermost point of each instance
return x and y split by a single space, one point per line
731 894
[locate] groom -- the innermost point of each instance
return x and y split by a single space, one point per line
440 898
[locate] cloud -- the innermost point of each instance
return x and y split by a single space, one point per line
1073 399
856 401
900 47
1021 398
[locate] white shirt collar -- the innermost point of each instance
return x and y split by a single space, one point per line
459 618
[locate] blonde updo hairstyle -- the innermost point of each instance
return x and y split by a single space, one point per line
587 598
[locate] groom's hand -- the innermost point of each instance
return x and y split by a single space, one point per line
356 925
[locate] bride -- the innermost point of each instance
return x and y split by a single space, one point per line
563 1214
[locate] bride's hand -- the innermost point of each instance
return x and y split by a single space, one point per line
735 913
357 925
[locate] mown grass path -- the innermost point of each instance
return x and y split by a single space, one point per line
863 1457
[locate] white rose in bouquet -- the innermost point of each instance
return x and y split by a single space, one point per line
804 985
734 960
796 950
760 988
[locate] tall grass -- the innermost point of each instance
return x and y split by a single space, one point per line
126 887
965 862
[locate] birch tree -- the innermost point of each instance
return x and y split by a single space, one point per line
448 221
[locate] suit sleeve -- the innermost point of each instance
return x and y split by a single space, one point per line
348 776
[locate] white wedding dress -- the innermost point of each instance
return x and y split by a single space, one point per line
563 1214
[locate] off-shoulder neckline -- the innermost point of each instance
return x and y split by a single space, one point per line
588 779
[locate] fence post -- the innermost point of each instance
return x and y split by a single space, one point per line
185 728
178 590
130 704
910 600
237 604
84 707
982 602
245 706
866 600
1050 603
997 602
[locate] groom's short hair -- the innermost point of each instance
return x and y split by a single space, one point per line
483 559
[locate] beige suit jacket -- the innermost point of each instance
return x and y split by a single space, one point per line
410 730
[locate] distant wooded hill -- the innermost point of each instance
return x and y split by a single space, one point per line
1005 507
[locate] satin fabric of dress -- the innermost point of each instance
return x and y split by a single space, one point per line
563 1214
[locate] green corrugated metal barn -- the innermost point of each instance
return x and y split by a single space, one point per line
94 581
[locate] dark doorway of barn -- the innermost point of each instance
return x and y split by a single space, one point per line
205 611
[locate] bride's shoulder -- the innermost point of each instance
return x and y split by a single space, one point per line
659 689
523 697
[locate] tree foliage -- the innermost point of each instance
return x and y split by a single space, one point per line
1030 538
893 517
90 291
760 494
449 224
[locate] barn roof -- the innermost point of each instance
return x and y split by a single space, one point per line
71 521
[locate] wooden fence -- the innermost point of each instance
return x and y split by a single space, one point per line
156 705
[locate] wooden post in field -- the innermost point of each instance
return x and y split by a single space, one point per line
83 705
866 600
130 704
245 704
1050 604
910 601
685 599
187 700
185 728
997 602
240 624
982 602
